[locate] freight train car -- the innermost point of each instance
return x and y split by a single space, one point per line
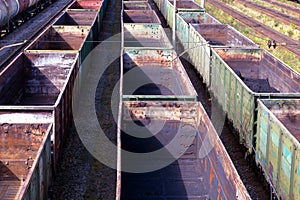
204 169
165 78
204 37
237 77
50 64
277 146
240 76
37 87
90 6
25 155
185 18
42 81
162 93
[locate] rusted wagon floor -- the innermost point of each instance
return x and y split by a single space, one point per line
18 150
180 180
249 75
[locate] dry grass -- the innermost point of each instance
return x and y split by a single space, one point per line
278 8
286 29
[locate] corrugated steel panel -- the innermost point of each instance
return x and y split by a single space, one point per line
203 37
277 146
240 76
155 74
145 35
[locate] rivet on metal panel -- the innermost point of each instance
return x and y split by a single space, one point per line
6 127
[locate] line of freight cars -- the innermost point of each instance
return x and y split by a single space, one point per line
167 97
35 97
254 89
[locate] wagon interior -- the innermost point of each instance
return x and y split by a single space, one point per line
35 78
198 18
72 18
152 72
260 71
222 35
186 5
19 147
96 5
288 114
136 6
136 35
57 38
140 16
189 173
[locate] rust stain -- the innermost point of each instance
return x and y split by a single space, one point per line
219 192
211 176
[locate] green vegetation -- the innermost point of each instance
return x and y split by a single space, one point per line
284 55
286 29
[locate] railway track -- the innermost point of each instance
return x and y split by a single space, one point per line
284 6
272 13
15 42
259 27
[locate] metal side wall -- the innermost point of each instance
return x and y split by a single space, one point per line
237 100
277 147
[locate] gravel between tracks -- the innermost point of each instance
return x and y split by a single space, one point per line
80 175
